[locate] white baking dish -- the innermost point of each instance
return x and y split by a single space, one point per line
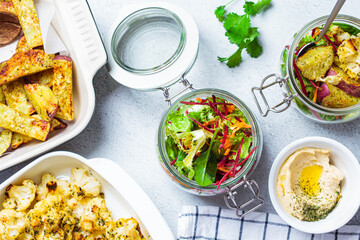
75 25
123 196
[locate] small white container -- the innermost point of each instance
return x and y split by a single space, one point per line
123 196
75 25
349 202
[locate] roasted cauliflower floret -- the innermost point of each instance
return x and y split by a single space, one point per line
51 185
126 229
339 33
92 213
316 62
347 52
12 224
46 213
20 197
83 184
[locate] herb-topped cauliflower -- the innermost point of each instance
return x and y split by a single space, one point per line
83 184
62 210
20 197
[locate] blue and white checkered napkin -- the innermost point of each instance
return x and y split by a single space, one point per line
214 223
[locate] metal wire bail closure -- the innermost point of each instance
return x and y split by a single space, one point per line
256 200
187 86
288 96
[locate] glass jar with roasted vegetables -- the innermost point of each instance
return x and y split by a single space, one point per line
323 82
209 142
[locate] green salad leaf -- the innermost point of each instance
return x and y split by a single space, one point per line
347 28
179 122
206 166
171 148
245 148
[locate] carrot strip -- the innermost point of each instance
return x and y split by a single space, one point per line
227 152
316 93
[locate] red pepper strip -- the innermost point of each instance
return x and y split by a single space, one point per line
204 103
312 83
222 162
238 154
225 108
238 119
248 156
202 126
329 41
222 179
336 41
296 53
216 111
213 98
313 32
300 78
174 161
217 123
224 138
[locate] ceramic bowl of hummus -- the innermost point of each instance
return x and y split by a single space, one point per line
313 184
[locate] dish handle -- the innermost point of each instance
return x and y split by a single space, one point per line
79 24
135 196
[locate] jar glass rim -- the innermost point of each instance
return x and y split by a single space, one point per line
149 11
257 139
290 59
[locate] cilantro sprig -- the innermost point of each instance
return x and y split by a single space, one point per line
239 31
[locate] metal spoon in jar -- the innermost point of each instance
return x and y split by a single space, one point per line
331 18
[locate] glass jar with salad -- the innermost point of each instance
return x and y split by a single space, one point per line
324 82
209 141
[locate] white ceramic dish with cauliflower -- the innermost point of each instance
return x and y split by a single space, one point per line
33 193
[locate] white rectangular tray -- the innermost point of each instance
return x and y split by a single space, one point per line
123 196
75 25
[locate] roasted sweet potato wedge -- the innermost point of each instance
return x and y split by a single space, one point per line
43 78
2 97
16 97
316 62
338 98
43 100
21 123
5 140
20 139
62 87
22 45
7 5
29 21
24 64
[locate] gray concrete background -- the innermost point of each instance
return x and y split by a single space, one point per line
125 122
